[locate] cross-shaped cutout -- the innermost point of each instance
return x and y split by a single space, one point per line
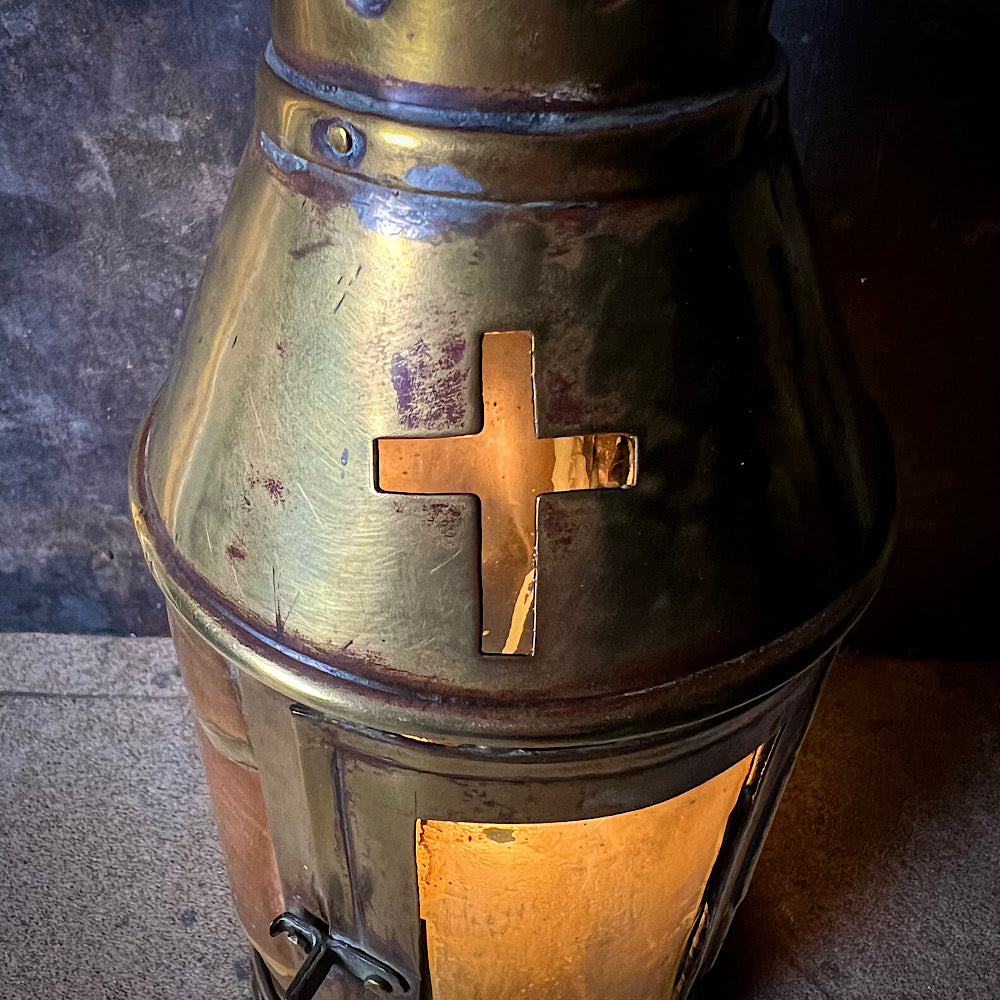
507 466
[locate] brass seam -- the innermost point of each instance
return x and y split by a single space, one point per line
698 107
650 148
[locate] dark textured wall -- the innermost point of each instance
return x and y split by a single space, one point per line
120 126
894 109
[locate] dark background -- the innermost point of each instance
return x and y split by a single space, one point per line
121 122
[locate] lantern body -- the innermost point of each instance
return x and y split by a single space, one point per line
510 494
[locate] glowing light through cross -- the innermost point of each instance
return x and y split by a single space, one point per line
507 466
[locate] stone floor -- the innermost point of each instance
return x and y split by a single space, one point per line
880 880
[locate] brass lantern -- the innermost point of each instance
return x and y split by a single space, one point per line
510 494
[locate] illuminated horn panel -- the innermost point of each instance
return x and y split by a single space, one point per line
584 910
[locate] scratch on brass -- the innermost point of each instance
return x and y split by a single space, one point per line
281 618
441 565
309 503
299 253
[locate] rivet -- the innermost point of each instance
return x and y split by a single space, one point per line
339 141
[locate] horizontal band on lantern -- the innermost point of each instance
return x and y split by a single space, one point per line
502 156
356 693
548 53
520 122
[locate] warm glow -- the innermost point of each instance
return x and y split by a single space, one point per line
507 466
597 909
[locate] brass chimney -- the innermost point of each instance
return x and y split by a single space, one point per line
511 495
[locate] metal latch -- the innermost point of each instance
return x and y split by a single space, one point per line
324 951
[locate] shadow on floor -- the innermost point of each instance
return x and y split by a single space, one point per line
878 878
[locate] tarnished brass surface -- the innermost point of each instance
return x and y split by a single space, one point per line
464 53
404 201
543 155
334 311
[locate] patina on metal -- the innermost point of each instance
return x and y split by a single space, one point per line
609 185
